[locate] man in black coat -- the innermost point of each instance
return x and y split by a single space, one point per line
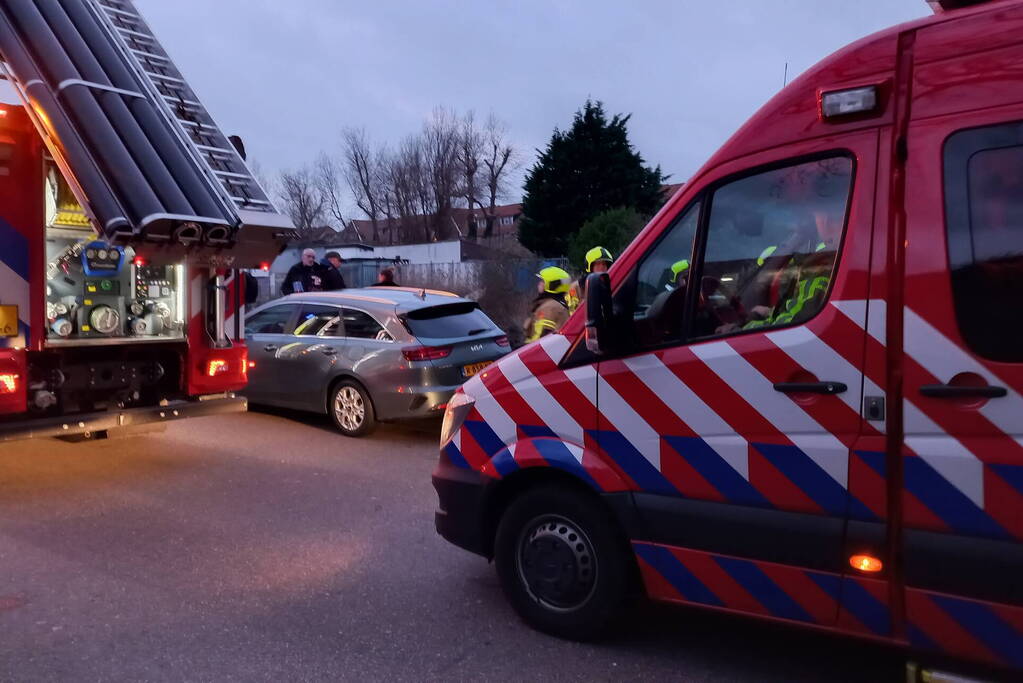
305 276
332 278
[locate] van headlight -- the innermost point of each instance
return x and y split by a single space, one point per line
454 415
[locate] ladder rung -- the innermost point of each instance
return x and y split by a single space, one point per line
231 174
136 34
183 102
117 10
171 79
206 148
243 200
150 55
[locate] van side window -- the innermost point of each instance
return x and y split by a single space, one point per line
771 247
661 282
984 215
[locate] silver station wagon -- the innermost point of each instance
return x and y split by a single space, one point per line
367 355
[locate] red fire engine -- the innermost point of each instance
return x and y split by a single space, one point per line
125 215
798 394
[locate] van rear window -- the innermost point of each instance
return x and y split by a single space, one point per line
461 319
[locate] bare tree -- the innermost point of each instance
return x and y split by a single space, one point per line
362 174
302 200
470 149
328 182
499 159
440 158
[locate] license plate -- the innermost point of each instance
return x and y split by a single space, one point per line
473 368
8 321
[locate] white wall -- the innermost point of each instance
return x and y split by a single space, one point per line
428 252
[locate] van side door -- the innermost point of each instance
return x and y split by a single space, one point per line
962 362
736 404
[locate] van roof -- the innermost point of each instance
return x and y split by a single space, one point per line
792 114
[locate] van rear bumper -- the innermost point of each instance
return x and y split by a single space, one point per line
89 423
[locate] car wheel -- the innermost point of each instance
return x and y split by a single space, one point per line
562 562
351 409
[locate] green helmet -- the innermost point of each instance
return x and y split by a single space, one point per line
555 280
679 267
598 254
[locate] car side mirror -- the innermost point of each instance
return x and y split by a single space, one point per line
598 312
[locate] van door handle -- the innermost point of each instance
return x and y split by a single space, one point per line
329 350
810 387
270 348
953 391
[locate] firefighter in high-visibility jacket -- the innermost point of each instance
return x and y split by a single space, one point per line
550 309
598 260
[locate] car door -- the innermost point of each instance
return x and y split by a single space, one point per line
266 331
737 403
309 355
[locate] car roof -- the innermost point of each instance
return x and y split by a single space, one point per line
402 299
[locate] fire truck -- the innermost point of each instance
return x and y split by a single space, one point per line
125 217
798 394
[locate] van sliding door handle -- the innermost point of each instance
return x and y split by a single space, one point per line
810 387
953 391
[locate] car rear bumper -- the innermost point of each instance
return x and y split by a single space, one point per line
88 423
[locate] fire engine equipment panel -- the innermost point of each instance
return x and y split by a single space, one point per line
95 290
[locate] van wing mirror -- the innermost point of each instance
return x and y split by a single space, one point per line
598 312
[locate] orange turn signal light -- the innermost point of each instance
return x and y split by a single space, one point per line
865 563
8 383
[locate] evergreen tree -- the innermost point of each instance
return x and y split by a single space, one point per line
612 229
584 171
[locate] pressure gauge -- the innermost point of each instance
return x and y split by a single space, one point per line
102 255
61 327
137 308
137 326
104 319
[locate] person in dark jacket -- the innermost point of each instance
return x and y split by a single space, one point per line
305 276
332 278
385 278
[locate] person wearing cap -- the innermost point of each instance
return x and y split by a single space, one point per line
332 278
550 310
598 260
305 276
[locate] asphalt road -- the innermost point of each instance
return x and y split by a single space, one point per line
264 546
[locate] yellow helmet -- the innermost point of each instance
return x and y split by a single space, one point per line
555 280
679 267
597 254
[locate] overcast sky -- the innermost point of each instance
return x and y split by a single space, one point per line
288 75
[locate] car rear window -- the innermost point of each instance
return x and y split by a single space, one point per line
449 320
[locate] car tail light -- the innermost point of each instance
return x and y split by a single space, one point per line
8 383
216 367
501 341
414 353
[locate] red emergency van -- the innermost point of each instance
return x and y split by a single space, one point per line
800 394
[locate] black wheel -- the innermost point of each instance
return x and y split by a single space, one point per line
562 562
351 409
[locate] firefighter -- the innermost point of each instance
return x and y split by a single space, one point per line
550 309
598 260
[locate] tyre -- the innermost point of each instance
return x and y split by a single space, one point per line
351 409
562 562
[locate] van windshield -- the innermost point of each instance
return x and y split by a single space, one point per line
462 319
